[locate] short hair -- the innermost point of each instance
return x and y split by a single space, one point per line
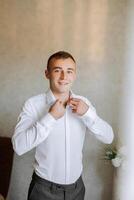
59 55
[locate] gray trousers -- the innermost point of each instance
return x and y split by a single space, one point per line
41 189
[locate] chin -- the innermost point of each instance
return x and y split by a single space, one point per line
63 90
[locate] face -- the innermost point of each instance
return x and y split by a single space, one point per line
61 75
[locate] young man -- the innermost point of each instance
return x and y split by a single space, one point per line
55 123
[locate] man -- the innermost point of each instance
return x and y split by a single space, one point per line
55 123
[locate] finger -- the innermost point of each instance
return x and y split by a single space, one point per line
73 106
57 100
74 99
72 102
74 110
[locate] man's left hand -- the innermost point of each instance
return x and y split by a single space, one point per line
78 106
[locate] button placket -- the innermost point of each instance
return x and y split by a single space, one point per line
67 135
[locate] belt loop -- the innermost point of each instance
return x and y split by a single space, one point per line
76 184
53 187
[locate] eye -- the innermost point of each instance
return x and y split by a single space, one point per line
69 72
56 70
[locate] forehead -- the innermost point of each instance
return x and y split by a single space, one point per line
63 63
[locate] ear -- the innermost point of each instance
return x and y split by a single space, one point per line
47 74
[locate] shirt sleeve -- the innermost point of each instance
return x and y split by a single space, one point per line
29 132
100 128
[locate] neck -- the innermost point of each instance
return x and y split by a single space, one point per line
62 96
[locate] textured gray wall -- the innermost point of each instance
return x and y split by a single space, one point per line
94 32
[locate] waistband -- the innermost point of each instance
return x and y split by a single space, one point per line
56 186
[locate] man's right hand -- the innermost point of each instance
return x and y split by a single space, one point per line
57 110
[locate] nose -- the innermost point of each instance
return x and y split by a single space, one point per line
63 75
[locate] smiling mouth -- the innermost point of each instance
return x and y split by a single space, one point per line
62 83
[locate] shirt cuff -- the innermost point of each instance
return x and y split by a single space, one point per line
89 117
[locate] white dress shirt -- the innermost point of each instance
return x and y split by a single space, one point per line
59 143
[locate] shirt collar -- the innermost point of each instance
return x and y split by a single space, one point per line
51 98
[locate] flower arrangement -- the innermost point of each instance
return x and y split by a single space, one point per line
115 156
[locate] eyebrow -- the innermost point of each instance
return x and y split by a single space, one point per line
57 67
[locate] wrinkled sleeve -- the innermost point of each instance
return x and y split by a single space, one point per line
100 128
29 132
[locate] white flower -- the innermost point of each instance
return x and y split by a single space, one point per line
117 157
116 161
120 158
